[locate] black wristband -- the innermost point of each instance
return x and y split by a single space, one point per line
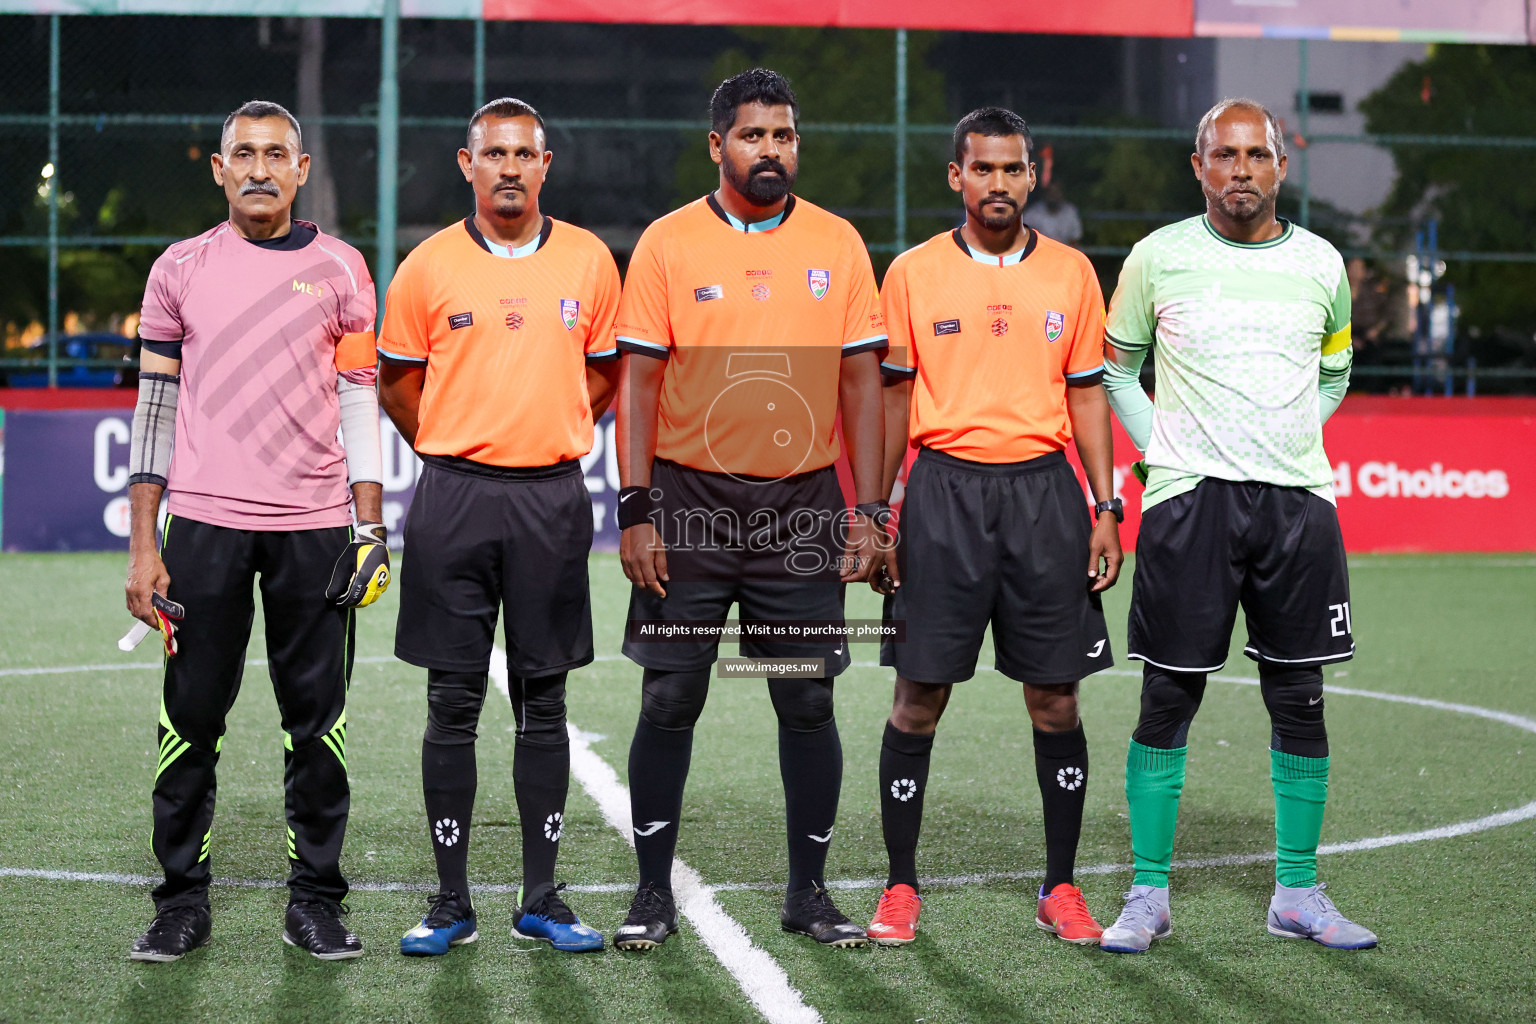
1113 505
635 506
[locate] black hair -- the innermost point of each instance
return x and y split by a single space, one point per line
256 110
993 122
505 107
757 85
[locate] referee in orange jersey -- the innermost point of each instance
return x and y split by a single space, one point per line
750 321
996 362
497 357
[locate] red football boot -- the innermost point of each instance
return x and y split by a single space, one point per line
1063 913
895 922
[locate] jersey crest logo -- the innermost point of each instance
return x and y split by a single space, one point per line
570 309
819 281
1054 322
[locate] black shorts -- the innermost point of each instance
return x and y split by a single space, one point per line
1277 551
479 537
1005 544
770 547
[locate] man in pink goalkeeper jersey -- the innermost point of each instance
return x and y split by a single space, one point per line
258 365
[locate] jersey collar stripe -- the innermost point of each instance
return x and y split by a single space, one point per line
990 260
756 226
504 251
1286 230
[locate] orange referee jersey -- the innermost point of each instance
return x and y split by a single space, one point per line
505 336
754 321
990 344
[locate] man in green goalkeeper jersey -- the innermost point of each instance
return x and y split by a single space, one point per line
1248 319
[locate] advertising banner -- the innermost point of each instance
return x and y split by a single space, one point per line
66 481
1419 474
1409 21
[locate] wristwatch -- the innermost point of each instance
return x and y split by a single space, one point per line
1114 505
879 511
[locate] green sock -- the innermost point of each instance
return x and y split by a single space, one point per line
1301 791
1153 781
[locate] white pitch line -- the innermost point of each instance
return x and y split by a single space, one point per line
620 819
758 974
137 666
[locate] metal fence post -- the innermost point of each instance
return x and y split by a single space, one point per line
901 140
389 146
53 200
480 61
1304 101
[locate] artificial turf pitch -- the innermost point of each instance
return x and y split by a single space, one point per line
1456 916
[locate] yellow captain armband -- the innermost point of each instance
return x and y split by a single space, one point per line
1336 342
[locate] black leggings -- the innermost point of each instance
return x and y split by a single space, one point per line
1293 696
674 700
454 700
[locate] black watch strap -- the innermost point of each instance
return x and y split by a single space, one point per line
879 511
1114 505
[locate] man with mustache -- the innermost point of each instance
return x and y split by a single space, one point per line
750 321
497 359
1248 319
996 363
258 346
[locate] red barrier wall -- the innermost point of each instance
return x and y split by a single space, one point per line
1102 17
1411 474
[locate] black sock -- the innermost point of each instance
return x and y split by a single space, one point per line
658 771
1061 768
904 760
541 771
448 783
540 778
811 765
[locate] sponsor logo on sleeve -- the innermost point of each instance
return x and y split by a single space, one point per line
942 327
819 281
570 310
458 320
711 291
1054 322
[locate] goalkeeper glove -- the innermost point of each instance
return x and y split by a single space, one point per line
167 614
362 571
1139 471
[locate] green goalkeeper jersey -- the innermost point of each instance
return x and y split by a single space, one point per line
1240 333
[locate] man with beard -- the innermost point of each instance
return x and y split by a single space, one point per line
750 321
497 359
1248 318
258 346
996 362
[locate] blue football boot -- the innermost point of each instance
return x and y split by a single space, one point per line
544 916
449 922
